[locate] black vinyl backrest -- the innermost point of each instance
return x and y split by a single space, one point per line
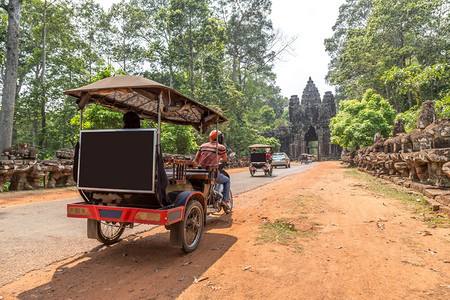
258 157
118 160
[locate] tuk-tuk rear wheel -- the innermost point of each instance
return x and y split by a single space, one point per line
191 228
109 232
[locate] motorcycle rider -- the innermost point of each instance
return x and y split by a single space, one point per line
206 157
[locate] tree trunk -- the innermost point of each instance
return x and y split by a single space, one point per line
35 131
191 63
171 74
234 75
9 85
410 99
43 88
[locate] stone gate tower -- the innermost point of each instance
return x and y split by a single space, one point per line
308 130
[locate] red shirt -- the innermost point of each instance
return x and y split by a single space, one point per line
206 154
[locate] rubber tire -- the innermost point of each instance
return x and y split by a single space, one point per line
193 208
252 173
109 240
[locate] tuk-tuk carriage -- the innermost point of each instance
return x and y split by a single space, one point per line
259 161
120 173
306 158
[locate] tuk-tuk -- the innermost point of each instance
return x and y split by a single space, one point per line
259 160
121 173
306 158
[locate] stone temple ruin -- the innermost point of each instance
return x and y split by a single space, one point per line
308 130
23 171
419 159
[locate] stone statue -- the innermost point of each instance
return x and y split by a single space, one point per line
427 115
398 127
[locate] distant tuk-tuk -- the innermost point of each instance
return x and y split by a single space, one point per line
121 173
259 160
306 158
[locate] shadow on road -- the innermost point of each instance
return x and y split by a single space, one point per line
136 267
264 176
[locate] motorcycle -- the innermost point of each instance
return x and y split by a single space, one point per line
214 201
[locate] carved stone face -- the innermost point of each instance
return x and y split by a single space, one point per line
425 143
427 115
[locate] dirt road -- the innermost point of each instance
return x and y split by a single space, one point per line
320 234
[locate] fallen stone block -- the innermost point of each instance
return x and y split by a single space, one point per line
444 199
433 192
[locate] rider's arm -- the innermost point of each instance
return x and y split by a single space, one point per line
223 154
197 158
224 158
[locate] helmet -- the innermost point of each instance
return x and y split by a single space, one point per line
213 135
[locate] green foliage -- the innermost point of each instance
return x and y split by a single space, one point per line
419 84
96 116
394 47
178 139
185 44
5 187
442 108
280 231
409 118
358 121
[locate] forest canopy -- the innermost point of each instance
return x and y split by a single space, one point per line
220 53
398 49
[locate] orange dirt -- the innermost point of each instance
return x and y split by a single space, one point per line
23 197
350 243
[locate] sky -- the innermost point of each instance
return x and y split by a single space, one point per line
311 22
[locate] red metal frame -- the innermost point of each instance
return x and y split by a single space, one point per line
262 168
128 213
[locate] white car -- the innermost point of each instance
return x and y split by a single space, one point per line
281 159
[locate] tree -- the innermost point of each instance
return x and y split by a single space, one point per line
419 84
347 47
357 121
197 40
374 36
178 139
180 43
96 116
123 23
442 108
10 78
51 60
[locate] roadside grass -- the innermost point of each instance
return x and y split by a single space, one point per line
414 202
5 187
306 203
283 232
299 204
279 231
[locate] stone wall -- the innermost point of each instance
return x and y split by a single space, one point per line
24 172
419 159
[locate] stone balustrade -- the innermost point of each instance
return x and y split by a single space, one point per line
419 158
24 172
